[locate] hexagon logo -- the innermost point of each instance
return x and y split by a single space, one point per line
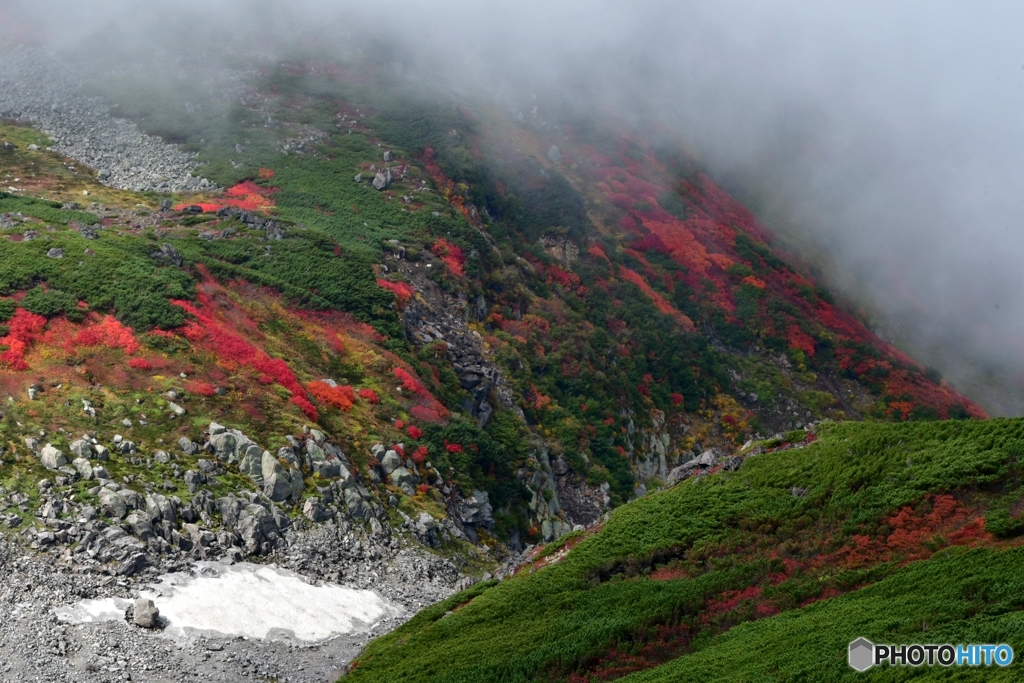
862 654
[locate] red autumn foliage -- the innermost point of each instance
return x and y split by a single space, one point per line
800 340
409 383
425 414
414 432
403 292
369 395
660 302
451 255
305 406
677 398
423 488
453 447
419 456
208 331
22 329
139 364
200 388
341 397
109 332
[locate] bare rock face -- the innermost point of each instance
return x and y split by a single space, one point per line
146 613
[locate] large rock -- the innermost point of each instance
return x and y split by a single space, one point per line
405 480
230 509
52 458
477 509
188 446
314 511
223 444
83 467
357 507
140 525
382 179
251 465
390 462
146 614
279 484
111 504
81 448
256 526
315 456
159 507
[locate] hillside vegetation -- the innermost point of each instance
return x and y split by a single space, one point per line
896 532
544 316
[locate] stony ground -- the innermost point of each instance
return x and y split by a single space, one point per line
36 88
38 647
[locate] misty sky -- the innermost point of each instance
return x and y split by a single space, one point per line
891 135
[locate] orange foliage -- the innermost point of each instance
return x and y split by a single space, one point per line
403 292
341 397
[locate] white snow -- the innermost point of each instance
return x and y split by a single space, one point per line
250 600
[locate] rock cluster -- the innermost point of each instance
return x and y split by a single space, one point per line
36 88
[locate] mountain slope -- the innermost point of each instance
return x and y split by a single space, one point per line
550 328
764 572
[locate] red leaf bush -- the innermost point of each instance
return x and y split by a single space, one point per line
22 329
341 397
369 395
451 255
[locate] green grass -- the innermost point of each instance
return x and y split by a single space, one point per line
957 598
722 531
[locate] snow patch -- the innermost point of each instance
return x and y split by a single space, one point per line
248 600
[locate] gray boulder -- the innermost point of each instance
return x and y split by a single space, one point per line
477 509
101 452
405 480
223 444
83 467
382 179
314 511
555 155
140 525
390 462
146 613
100 472
81 448
188 446
279 483
251 465
55 253
112 505
357 507
159 507
230 509
52 458
256 526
